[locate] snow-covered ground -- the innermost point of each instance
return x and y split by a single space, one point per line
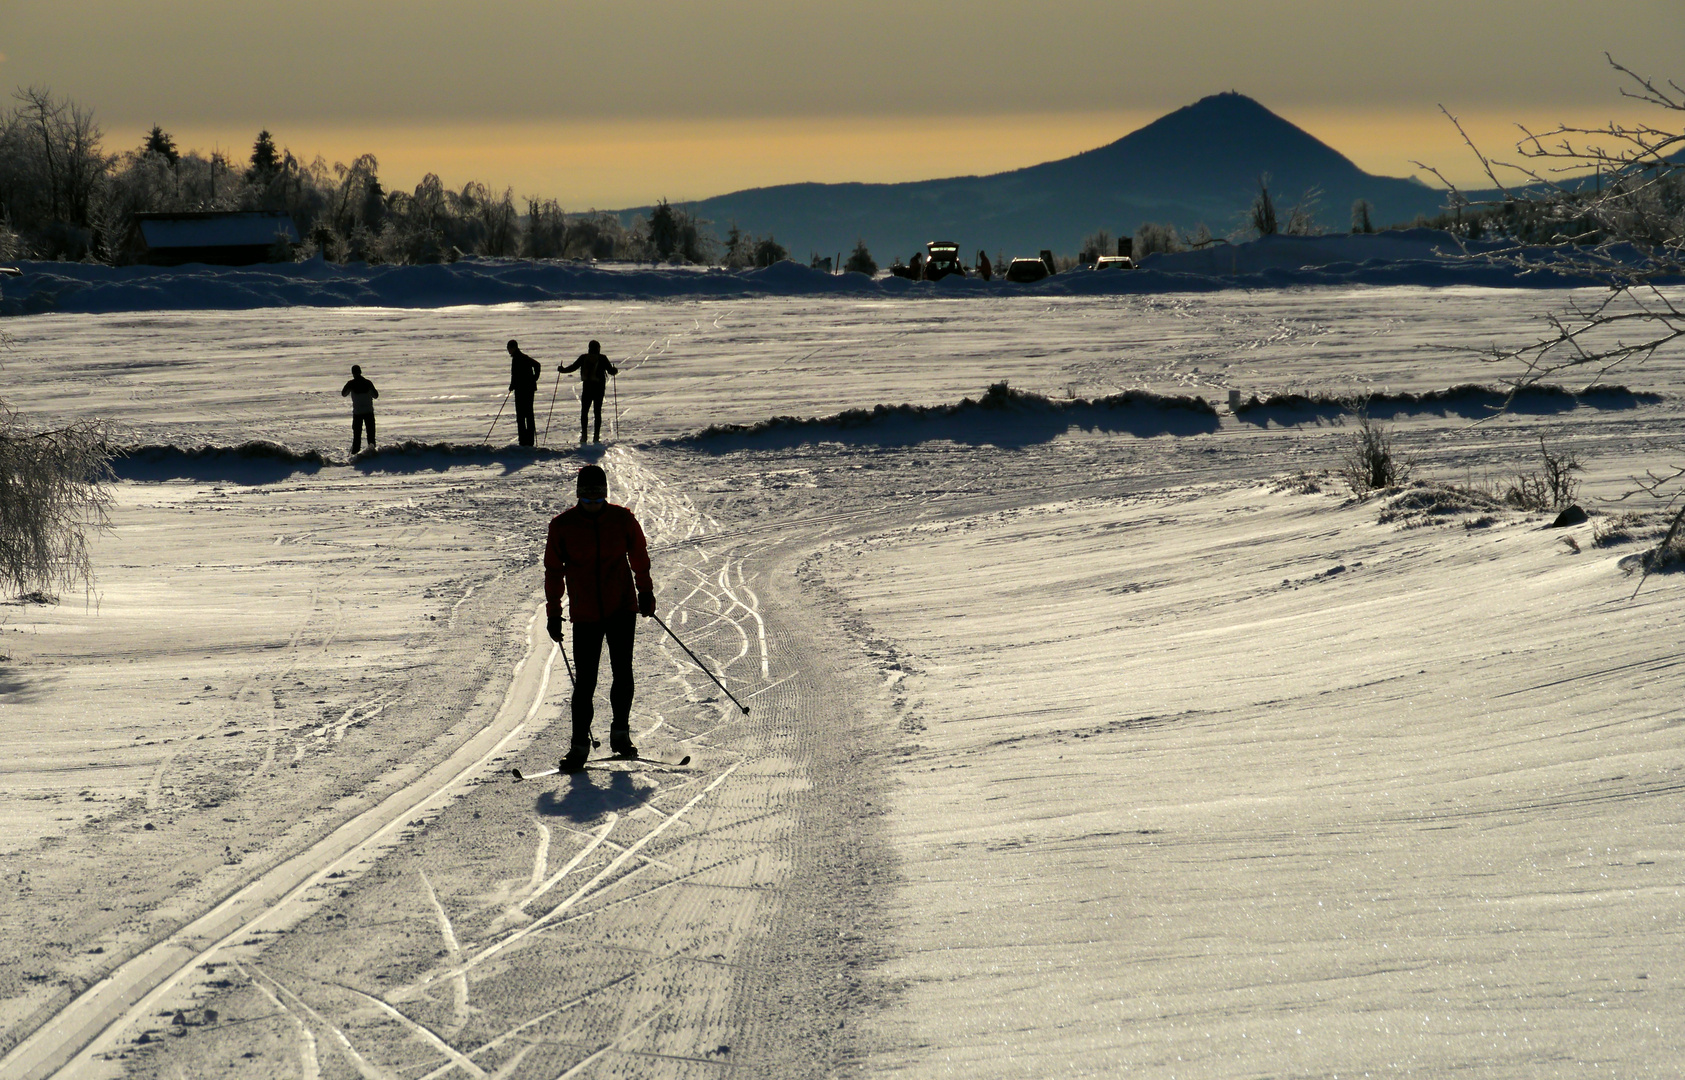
1083 739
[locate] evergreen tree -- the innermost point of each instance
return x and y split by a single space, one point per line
159 142
861 261
1361 221
266 160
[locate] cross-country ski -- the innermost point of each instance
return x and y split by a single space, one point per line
608 760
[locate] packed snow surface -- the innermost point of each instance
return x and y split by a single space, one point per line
1095 728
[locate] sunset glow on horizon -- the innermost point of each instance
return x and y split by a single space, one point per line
596 105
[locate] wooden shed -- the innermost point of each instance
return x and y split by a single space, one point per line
217 237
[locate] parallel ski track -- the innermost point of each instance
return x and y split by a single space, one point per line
91 1024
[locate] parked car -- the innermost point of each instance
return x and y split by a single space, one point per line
1027 270
1114 262
944 260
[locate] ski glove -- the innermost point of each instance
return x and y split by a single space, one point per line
554 626
646 604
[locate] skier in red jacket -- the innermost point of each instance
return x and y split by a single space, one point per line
596 555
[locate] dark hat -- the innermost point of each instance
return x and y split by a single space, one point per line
512 346
593 347
591 478
355 370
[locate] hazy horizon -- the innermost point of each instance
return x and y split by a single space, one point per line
601 106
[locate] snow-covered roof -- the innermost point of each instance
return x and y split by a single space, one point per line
215 229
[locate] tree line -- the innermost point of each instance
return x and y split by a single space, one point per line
64 196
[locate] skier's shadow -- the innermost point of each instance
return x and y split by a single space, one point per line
583 796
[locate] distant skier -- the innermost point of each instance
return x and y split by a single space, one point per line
362 394
523 383
594 370
596 555
984 270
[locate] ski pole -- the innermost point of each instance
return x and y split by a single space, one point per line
498 417
556 390
616 381
567 663
704 668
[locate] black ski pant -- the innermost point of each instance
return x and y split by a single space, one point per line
359 421
591 394
588 637
525 423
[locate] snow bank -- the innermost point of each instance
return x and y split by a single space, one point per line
1001 417
1423 257
1465 399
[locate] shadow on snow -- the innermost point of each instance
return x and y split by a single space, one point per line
588 795
263 462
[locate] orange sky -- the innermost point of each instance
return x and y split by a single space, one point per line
614 103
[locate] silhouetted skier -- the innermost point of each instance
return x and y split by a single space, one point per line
362 394
984 270
594 370
523 383
596 555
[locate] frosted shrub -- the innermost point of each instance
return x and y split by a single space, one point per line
1369 462
1552 487
1620 529
52 492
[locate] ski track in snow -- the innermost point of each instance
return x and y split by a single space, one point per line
1073 735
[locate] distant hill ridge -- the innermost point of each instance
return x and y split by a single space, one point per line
1200 163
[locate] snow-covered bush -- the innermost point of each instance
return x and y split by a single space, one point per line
1551 487
1369 462
52 492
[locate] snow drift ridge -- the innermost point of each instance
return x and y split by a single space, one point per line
1464 399
1000 414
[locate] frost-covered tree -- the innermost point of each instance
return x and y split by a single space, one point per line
1151 238
1610 202
739 248
1095 245
769 251
1301 220
860 261
52 172
1263 209
663 230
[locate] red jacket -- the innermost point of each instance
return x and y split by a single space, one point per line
601 558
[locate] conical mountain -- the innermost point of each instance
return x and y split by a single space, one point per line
1199 164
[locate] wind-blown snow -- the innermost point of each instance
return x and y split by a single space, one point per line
1095 731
